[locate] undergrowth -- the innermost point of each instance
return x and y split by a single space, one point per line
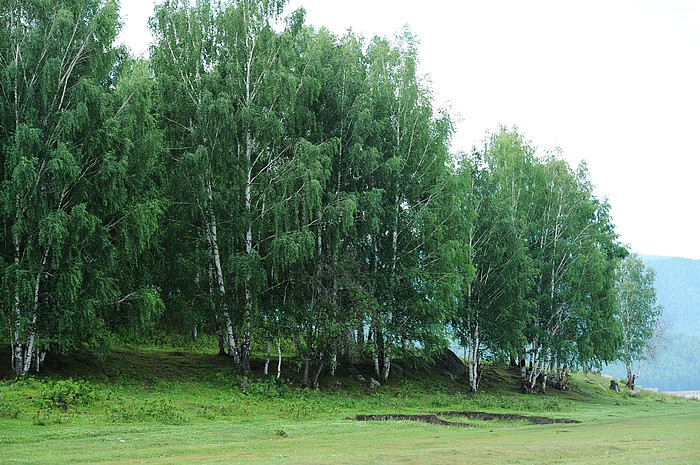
161 385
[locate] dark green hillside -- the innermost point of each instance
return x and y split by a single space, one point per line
678 290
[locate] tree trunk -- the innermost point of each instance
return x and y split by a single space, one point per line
217 280
267 359
305 379
220 337
473 361
248 304
377 352
279 357
630 376
318 370
334 363
387 355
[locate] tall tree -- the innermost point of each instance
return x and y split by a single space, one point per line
638 313
493 308
402 182
574 251
77 147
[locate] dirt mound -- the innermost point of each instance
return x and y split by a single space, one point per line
508 417
435 420
432 419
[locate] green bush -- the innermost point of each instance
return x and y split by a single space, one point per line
268 388
67 392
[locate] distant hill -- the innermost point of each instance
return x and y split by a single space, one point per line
677 365
678 290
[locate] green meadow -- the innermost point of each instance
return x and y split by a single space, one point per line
155 406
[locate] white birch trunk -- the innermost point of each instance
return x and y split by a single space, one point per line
248 304
473 357
388 343
218 279
279 357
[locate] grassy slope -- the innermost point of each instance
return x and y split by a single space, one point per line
157 406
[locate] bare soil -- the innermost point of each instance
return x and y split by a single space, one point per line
435 420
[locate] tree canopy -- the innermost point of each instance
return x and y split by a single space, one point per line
265 181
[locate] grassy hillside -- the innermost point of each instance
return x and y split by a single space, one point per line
153 405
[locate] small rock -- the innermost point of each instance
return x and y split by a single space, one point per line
396 370
614 386
122 441
374 383
360 378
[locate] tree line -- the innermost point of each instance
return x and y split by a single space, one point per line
276 183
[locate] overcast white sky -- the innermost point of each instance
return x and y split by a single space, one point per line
616 83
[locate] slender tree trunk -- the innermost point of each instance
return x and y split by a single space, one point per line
219 335
248 304
334 363
217 279
319 368
473 358
378 348
307 361
279 357
267 359
361 334
388 344
630 376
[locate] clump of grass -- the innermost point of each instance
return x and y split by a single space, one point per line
9 410
68 392
161 410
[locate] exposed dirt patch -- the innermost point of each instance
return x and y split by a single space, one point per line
434 420
508 417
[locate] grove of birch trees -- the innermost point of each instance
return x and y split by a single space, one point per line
280 187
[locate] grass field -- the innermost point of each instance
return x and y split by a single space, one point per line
155 406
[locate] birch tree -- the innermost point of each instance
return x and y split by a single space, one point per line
196 115
77 147
574 250
406 153
493 308
638 314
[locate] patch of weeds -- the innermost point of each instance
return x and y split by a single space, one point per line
526 403
67 392
159 410
268 388
46 417
8 410
228 380
441 401
307 406
280 433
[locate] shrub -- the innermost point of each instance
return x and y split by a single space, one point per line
67 392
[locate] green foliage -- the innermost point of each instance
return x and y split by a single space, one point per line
78 149
268 388
638 313
67 393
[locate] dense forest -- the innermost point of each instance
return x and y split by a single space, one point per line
280 186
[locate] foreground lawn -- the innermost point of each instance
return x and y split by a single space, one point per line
673 436
126 415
